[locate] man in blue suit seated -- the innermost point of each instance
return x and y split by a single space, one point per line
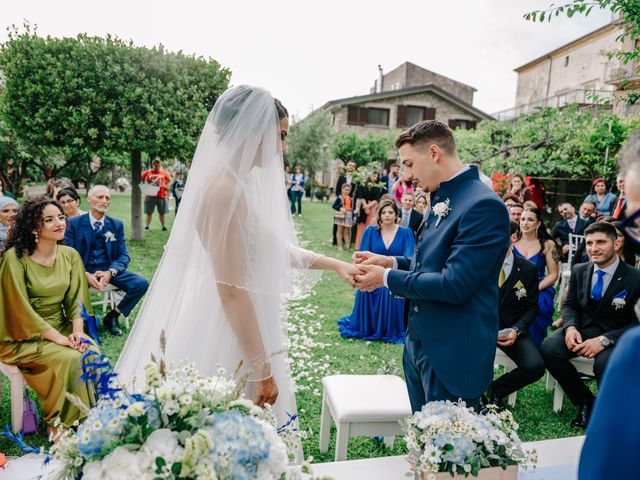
452 280
100 241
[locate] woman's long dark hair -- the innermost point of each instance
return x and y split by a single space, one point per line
543 233
29 218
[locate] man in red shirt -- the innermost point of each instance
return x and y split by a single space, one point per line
160 178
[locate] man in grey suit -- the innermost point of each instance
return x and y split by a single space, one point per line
452 280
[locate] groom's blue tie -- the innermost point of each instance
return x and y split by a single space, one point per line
596 293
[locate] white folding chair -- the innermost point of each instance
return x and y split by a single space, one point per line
502 359
111 296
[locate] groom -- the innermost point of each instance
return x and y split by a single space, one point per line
452 280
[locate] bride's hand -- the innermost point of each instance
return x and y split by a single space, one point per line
267 392
347 272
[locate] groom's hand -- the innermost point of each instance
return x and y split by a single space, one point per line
371 278
347 272
368 258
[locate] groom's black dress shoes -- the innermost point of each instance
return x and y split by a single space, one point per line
111 323
582 418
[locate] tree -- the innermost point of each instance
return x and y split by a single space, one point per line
629 11
568 142
308 142
362 150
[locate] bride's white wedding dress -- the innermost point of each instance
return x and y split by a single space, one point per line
217 290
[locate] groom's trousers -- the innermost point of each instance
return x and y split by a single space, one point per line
422 383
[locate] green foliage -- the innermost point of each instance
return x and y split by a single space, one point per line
362 150
88 97
568 142
629 10
308 142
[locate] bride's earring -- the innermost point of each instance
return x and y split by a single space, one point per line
35 235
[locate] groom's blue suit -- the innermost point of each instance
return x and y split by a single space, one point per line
452 284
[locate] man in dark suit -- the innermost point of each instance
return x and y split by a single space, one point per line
100 241
597 311
518 283
571 223
391 179
410 217
451 281
620 209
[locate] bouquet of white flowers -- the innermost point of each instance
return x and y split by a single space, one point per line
181 426
449 437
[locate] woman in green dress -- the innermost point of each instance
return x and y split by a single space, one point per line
42 288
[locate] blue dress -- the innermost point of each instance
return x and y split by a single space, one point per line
538 329
379 315
607 204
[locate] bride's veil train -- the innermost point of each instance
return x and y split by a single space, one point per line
233 228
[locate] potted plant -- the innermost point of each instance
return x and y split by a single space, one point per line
448 439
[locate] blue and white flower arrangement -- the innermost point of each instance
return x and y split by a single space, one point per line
181 426
449 437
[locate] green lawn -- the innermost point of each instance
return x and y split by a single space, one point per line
316 347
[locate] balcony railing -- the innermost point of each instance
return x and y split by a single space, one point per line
581 97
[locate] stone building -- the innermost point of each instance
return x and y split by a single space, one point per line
578 72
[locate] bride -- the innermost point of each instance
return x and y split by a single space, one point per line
217 290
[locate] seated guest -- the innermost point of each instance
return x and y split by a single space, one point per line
422 202
70 201
515 212
600 195
536 245
8 212
42 288
518 189
410 217
587 211
100 241
378 315
518 307
597 311
570 224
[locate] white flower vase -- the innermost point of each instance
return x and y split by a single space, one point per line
491 473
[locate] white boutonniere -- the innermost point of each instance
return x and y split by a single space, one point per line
109 237
441 210
521 292
618 303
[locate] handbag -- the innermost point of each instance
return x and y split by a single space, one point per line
30 415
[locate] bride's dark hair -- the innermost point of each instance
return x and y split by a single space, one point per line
281 109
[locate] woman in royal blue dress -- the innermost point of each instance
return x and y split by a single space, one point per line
537 246
378 315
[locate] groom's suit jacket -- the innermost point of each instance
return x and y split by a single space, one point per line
79 233
592 318
452 283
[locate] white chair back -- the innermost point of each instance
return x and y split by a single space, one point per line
574 243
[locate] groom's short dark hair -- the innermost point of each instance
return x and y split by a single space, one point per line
602 227
428 131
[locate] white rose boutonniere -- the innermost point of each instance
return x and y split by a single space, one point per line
619 301
441 210
521 292
109 237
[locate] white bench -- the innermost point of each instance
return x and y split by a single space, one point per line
373 405
17 394
583 365
111 296
503 360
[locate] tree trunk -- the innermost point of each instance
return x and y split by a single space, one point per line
136 196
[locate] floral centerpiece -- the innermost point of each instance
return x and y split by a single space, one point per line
451 438
181 426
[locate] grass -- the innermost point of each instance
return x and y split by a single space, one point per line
317 348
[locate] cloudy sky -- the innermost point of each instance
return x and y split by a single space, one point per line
307 53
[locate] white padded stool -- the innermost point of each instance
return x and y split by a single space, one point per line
503 360
583 365
111 296
17 391
362 405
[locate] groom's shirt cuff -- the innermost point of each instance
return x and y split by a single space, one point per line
386 272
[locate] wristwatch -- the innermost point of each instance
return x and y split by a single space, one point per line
605 342
114 272
517 330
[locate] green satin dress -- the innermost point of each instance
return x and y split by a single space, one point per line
34 299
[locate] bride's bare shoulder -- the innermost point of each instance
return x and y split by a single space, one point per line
223 190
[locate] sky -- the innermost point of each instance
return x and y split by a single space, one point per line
307 53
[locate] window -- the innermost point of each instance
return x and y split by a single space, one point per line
462 123
356 115
566 61
409 115
378 116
